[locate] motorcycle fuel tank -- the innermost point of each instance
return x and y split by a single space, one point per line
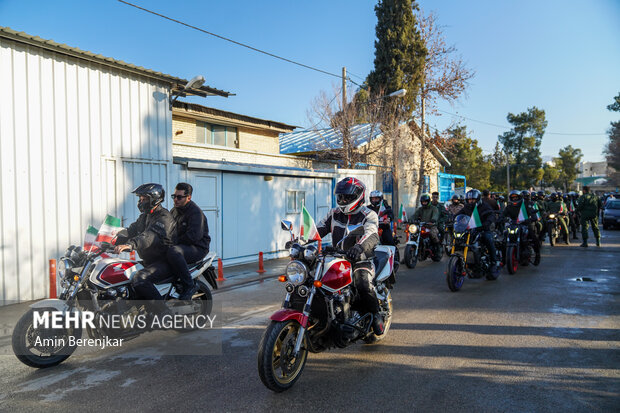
337 275
112 272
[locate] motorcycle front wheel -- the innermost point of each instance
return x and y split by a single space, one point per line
512 260
41 348
411 256
278 367
454 273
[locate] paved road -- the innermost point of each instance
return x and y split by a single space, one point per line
538 340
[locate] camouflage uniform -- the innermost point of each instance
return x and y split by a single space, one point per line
588 206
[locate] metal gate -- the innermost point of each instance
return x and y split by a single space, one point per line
449 184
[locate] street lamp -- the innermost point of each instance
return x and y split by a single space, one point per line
398 93
194 83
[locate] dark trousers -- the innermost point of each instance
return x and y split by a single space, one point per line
487 238
144 280
363 281
386 234
179 255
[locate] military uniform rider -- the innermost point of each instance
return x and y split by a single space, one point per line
443 213
385 214
589 206
556 206
151 236
455 206
487 216
512 211
428 213
351 211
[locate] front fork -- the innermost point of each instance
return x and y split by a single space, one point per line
306 312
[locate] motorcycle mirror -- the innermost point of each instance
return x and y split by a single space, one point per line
286 225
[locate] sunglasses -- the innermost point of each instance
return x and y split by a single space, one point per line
179 196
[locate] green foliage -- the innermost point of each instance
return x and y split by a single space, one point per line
497 161
467 158
399 51
551 176
567 164
523 143
612 149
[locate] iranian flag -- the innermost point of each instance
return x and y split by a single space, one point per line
474 220
402 214
90 237
537 211
110 227
522 213
561 211
308 229
571 208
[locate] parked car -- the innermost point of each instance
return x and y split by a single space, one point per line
611 213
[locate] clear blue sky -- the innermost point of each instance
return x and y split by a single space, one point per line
561 56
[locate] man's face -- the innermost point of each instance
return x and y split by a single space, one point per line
180 199
375 200
435 198
471 201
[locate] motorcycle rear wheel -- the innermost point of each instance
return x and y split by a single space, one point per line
411 256
24 342
278 369
373 338
203 301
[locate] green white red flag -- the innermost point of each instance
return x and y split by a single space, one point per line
90 237
522 213
474 220
108 230
402 214
308 230
537 210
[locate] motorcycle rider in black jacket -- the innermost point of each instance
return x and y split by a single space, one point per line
191 241
473 197
151 236
512 211
376 201
352 212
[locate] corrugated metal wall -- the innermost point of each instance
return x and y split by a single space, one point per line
74 138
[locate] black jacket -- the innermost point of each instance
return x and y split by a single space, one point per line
512 211
151 234
387 211
191 226
487 216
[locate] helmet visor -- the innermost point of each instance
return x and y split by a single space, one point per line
345 199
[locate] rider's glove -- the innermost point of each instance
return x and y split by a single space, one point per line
355 252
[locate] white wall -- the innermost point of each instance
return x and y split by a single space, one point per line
68 129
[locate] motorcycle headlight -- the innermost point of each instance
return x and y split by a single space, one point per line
458 234
63 268
296 272
413 229
310 253
295 251
552 216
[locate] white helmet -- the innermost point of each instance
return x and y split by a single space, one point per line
376 195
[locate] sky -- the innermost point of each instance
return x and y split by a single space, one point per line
560 56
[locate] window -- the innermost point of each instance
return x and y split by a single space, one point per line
216 134
294 201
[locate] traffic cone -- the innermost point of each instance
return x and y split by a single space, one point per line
220 270
261 268
53 293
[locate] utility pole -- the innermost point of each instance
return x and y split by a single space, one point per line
345 137
508 173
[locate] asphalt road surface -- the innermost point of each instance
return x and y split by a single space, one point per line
539 340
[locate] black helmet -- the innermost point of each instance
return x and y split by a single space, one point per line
515 196
425 198
533 196
554 196
350 195
455 199
153 192
525 195
473 194
541 194
376 197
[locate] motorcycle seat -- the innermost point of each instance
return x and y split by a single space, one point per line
380 260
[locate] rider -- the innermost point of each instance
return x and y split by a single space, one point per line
455 206
351 211
430 214
473 199
443 213
486 198
512 211
151 236
556 206
589 206
385 214
191 240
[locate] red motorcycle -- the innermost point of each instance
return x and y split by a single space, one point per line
321 309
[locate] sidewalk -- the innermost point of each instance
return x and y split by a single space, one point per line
237 275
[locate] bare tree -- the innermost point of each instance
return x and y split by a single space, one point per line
445 78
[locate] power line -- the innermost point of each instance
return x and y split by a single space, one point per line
507 128
231 41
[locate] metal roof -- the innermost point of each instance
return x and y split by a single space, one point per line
176 84
323 139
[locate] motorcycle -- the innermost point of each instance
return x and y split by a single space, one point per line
420 246
396 241
448 235
554 229
518 247
469 257
97 281
321 309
